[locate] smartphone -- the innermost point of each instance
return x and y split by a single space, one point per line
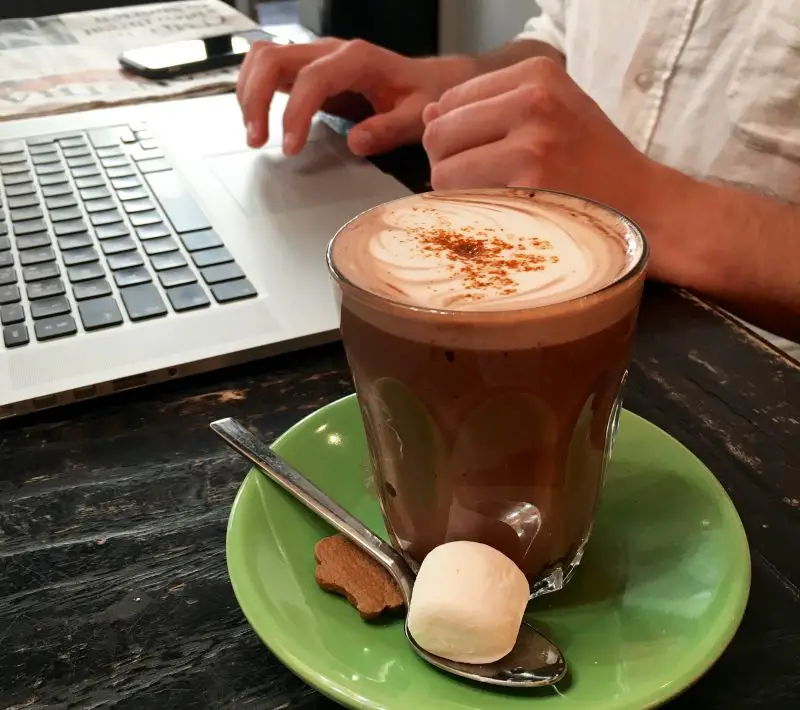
165 61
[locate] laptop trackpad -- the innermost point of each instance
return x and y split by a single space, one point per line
267 183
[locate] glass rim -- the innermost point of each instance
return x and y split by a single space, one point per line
635 269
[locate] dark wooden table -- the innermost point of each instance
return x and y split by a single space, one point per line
113 585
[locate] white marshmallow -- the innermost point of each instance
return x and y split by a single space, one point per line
467 603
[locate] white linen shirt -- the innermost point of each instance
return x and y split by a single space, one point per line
710 87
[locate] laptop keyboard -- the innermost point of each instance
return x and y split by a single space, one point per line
96 229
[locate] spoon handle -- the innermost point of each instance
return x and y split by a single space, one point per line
292 481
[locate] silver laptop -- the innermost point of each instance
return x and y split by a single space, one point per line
145 243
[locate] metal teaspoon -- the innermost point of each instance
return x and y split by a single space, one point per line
533 662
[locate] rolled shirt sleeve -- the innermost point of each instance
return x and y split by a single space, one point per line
549 26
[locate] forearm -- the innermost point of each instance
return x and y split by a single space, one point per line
737 247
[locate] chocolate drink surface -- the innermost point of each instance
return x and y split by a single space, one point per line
488 332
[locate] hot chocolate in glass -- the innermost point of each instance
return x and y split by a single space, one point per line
488 332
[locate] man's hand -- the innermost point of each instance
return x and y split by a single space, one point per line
349 78
530 125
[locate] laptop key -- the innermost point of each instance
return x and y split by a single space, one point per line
187 298
169 260
233 290
81 162
17 157
3 237
153 231
77 152
117 161
24 213
11 147
99 313
159 246
9 294
5 243
6 258
82 255
221 272
125 260
211 257
143 205
49 169
121 172
44 289
70 226
132 193
9 315
61 201
91 289
126 135
41 148
15 335
143 302
139 219
109 231
108 217
204 239
57 327
30 227
46 159
142 154
104 137
57 190
33 241
176 277
25 188
126 183
75 241
154 165
49 307
71 141
54 179
132 277
16 179
100 205
62 214
95 193
14 168
180 207
23 201
110 152
87 182
36 256
118 245
8 276
85 272
39 272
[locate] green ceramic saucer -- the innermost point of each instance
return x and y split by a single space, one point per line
661 591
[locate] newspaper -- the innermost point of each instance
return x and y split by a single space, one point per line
69 62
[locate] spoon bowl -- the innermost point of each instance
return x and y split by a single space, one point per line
533 662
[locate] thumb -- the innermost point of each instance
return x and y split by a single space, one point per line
386 131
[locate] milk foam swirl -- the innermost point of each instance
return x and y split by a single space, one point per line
485 249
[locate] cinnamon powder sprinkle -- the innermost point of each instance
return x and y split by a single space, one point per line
484 261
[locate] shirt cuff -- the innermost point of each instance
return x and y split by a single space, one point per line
543 28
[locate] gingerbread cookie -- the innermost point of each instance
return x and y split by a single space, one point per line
345 569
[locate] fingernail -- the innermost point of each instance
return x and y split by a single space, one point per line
251 133
360 142
291 143
430 112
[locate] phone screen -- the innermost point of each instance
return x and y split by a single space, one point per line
192 54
